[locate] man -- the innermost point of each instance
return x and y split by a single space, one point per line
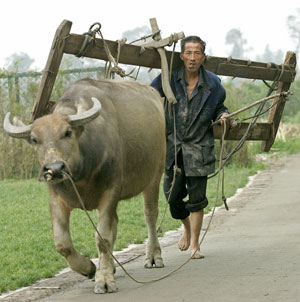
200 100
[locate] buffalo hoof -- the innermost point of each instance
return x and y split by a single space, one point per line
105 283
103 289
150 263
92 272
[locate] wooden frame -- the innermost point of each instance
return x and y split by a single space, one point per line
65 42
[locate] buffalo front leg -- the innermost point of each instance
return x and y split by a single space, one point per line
60 213
107 228
153 250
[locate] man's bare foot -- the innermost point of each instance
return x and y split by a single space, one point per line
195 254
184 241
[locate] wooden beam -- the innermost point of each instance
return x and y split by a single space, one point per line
259 132
279 103
51 69
135 55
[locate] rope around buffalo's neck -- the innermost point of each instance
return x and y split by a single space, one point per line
104 244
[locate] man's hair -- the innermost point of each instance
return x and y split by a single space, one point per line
194 39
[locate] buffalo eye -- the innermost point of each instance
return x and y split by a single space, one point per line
34 140
68 133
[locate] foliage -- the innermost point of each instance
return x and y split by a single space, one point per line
271 56
293 23
291 112
282 147
19 62
235 38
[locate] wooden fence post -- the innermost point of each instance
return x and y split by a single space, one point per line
279 103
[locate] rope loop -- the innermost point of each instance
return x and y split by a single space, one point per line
111 67
97 28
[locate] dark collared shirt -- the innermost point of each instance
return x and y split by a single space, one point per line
187 106
193 117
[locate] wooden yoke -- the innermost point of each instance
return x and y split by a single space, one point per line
51 69
279 103
153 55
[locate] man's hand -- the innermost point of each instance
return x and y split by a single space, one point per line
223 119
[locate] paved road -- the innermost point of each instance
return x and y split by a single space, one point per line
252 252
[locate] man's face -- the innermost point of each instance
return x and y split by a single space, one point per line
192 56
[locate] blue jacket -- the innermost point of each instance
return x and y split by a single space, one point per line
193 117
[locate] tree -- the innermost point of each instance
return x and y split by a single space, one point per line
271 56
18 62
293 23
235 38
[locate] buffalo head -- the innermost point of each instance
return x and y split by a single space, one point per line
55 139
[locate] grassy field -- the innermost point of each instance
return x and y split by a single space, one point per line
27 251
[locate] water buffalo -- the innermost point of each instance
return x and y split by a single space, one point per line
110 137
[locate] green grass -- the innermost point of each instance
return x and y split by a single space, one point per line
290 146
280 147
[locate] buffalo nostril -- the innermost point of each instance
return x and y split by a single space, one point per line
57 166
53 170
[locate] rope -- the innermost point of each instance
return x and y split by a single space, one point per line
144 38
111 67
176 170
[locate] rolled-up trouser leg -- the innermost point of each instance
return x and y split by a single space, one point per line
196 187
179 191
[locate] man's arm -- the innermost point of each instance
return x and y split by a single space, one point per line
221 110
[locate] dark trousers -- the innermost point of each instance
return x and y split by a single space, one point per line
194 186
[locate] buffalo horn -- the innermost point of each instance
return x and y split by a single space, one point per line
15 131
87 116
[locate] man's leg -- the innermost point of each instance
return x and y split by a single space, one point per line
176 203
185 239
197 202
196 219
177 206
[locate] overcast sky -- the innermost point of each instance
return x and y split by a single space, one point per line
29 25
